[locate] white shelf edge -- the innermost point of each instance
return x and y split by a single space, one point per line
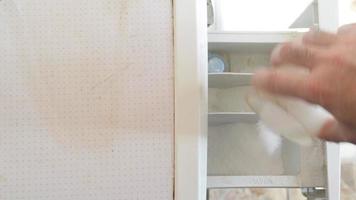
229 79
277 32
232 113
251 37
223 118
233 73
256 181
248 42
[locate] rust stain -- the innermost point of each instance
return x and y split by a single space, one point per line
120 10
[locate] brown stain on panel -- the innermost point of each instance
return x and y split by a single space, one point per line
120 9
84 83
2 179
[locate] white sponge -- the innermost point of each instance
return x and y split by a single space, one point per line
292 118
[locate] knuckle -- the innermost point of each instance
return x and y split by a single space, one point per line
299 54
271 81
286 50
320 93
337 59
308 55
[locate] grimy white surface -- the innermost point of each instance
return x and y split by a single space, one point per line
86 99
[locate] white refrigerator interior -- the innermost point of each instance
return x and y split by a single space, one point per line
241 152
86 99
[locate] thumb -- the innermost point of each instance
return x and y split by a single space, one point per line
335 131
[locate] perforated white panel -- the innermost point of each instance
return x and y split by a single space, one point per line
86 99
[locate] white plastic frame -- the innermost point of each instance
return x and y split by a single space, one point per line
191 47
329 21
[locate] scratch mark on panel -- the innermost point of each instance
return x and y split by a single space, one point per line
102 82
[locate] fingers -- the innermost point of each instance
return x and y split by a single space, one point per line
319 38
297 54
347 29
337 132
286 82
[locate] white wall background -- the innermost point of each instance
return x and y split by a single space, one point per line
257 15
86 99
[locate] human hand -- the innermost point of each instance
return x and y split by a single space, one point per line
331 83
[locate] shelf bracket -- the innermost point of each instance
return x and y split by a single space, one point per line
308 18
314 193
